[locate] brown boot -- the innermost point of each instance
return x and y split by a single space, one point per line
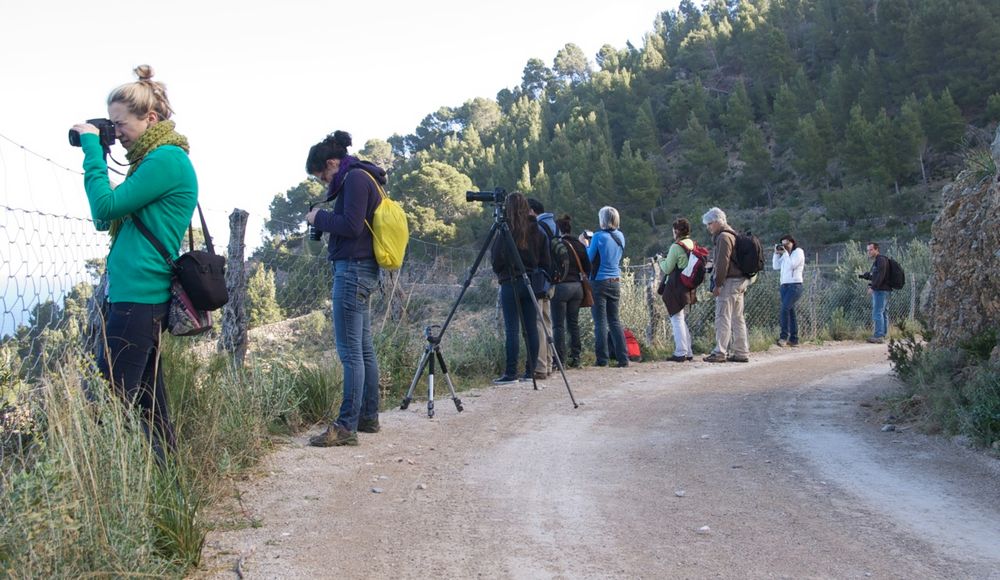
334 436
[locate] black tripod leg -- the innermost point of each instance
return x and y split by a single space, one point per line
416 377
430 385
447 377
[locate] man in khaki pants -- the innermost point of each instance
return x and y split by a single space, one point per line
729 286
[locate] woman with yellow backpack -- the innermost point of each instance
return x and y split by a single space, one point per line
356 187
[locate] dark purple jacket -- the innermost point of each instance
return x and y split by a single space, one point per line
357 197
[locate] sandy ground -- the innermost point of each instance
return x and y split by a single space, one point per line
773 469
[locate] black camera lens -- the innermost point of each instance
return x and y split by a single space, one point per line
496 196
315 234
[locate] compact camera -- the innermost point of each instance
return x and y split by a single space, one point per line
497 196
779 248
105 131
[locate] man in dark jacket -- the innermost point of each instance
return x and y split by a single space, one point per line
878 288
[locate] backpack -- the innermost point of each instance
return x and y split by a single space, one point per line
631 346
895 277
389 229
551 243
748 254
694 273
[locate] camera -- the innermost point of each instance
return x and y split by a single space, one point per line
779 248
496 196
865 276
105 131
314 234
588 234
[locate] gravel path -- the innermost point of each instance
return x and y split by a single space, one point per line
776 468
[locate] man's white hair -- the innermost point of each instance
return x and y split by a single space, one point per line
714 215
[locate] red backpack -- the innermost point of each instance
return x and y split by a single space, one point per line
632 346
694 274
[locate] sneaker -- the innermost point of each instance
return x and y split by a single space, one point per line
782 342
574 363
369 425
676 358
793 344
601 364
540 376
334 436
689 358
621 365
715 357
876 339
737 358
505 380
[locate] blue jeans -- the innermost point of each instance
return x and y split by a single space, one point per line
790 294
566 315
353 284
880 313
516 304
131 364
607 294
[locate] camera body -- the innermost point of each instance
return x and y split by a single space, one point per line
105 131
497 196
588 234
865 276
313 233
779 248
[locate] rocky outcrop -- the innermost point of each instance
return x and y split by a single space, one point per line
965 258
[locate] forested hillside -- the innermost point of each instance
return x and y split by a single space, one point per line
831 119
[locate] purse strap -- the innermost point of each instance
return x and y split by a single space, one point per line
579 266
163 250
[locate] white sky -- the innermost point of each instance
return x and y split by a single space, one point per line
255 84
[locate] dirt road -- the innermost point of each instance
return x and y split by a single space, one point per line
777 468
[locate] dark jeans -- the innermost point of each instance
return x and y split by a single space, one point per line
607 294
790 294
131 363
353 284
516 304
566 314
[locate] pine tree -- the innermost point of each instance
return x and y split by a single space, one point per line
758 171
702 162
739 113
811 154
857 154
261 301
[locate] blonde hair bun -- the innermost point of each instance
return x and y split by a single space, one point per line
144 72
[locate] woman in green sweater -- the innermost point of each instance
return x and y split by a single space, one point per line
675 295
161 189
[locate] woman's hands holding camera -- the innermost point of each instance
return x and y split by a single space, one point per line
82 128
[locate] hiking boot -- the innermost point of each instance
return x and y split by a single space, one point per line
540 376
369 426
334 436
715 357
621 365
676 358
574 363
689 358
876 339
505 380
793 344
782 342
737 358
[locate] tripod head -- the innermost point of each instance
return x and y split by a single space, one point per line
429 333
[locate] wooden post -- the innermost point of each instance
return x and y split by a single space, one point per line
653 329
234 315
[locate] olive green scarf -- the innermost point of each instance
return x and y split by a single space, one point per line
157 135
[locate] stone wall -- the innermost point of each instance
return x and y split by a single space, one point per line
965 257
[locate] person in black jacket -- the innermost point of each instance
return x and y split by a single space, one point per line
878 288
571 265
515 296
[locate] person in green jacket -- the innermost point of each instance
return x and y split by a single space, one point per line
161 189
675 295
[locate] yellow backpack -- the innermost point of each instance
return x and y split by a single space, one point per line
389 230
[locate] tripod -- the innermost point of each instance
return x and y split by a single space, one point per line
431 351
433 348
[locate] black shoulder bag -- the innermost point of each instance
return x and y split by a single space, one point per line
199 284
